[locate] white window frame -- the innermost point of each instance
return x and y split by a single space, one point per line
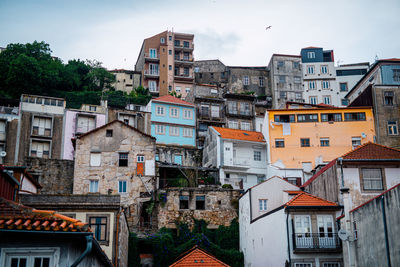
95 159
310 69
36 121
324 69
140 158
187 90
326 85
245 80
30 253
327 99
261 81
173 112
245 125
233 125
311 85
159 129
174 131
330 264
262 204
178 89
313 100
257 155
310 54
153 86
187 132
323 139
392 129
215 111
187 114
355 139
38 141
93 186
152 51
160 110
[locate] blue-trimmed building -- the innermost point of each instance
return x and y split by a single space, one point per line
173 121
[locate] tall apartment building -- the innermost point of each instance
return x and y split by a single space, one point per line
126 80
319 76
166 63
286 79
347 76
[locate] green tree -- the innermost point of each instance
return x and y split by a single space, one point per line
100 78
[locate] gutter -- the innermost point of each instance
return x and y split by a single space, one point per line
287 236
385 231
89 239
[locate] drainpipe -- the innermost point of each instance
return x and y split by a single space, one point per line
385 230
117 240
89 239
288 239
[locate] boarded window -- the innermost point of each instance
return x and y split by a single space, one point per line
95 159
85 124
40 149
41 126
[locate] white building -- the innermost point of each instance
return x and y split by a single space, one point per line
347 76
240 156
319 76
282 226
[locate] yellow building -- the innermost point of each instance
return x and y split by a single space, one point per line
304 136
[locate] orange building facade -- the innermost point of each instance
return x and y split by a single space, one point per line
304 138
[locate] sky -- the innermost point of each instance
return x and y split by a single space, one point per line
233 31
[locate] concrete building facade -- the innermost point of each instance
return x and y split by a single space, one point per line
248 80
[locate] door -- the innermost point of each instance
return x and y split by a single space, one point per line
303 231
325 231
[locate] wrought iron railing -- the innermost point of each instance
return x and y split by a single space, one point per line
321 241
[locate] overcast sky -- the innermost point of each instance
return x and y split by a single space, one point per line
233 31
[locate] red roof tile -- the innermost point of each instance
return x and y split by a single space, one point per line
172 99
372 151
227 133
198 257
14 216
307 200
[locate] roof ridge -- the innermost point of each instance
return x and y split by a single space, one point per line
310 195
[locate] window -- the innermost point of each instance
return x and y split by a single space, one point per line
245 80
388 98
396 75
392 128
41 126
284 118
345 102
281 64
178 89
355 142
173 131
343 87
153 86
186 44
109 133
232 107
173 112
121 186
282 79
85 124
257 155
140 158
200 202
244 125
310 54
153 69
177 43
170 37
93 186
127 119
351 72
215 111
279 143
298 96
99 226
123 160
160 111
40 149
183 202
294 180
356 116
261 81
187 114
331 264
262 204
313 100
324 69
211 75
282 95
187 90
310 69
324 142
93 108
160 129
325 85
331 117
169 67
153 53
305 142
307 118
162 40
187 132
233 125
296 65
169 88
170 52
297 79
327 99
311 85
95 159
36 257
372 179
186 71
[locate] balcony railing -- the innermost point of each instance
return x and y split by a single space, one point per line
183 75
306 242
152 73
151 57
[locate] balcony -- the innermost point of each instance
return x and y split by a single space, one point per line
204 115
183 77
152 73
151 57
154 89
184 47
322 242
235 112
184 61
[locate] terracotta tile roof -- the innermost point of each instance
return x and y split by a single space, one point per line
198 257
227 133
294 192
172 99
307 200
14 216
321 171
372 151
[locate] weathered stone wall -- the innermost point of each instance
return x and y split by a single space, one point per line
143 119
109 173
123 241
190 156
211 72
220 207
54 175
370 244
383 114
236 74
11 141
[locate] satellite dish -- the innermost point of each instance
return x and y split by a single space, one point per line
3 154
343 235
